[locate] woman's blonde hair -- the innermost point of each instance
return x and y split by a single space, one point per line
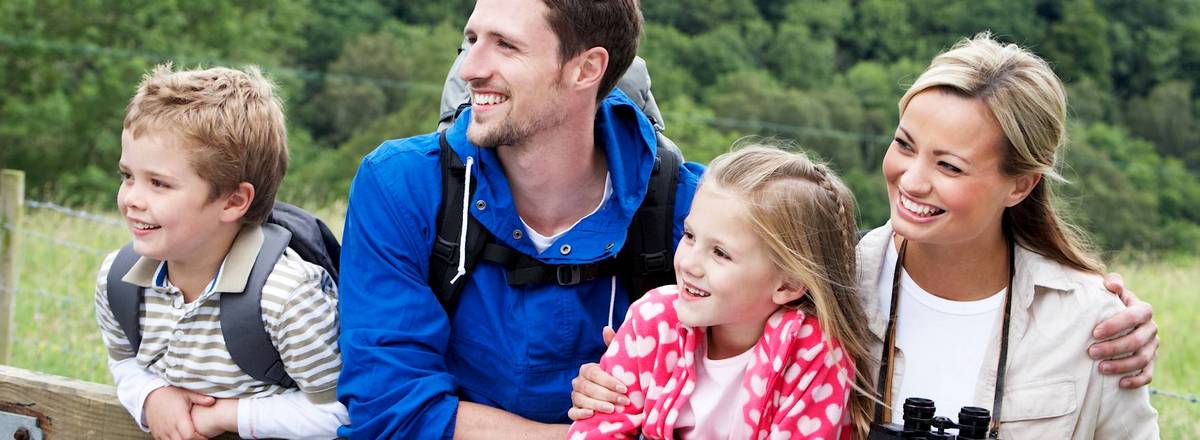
1030 103
805 217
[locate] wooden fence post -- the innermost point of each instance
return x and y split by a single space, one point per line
12 202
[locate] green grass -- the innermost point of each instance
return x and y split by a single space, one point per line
1172 288
56 329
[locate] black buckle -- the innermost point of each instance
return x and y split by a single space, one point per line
569 274
572 274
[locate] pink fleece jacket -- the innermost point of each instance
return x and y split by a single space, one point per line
797 382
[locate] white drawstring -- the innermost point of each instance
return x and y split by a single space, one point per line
462 233
612 300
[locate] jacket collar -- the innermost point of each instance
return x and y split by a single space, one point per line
1035 274
629 143
235 269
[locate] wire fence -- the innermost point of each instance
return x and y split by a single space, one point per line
68 358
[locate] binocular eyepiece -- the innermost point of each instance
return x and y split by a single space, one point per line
920 423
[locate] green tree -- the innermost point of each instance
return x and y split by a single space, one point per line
1166 117
1077 44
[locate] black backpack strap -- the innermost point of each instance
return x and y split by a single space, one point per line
311 237
125 299
443 261
646 258
242 325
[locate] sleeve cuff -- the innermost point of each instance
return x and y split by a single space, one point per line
134 385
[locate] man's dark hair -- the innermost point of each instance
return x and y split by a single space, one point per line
615 25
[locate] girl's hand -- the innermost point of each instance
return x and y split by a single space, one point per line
595 390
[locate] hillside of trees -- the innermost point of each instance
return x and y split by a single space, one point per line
827 74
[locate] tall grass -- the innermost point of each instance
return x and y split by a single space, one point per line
56 330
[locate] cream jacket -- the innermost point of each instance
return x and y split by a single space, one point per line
1053 390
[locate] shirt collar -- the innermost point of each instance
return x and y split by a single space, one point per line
1035 274
231 276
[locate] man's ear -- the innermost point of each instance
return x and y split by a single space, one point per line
788 291
235 204
1024 184
587 68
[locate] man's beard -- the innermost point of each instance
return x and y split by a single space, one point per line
508 131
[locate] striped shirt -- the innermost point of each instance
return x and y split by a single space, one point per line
182 342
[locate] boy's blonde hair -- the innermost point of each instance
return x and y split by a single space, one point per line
804 215
230 120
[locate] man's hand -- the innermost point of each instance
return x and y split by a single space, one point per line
211 421
168 413
1129 338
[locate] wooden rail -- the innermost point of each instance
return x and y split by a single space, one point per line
68 408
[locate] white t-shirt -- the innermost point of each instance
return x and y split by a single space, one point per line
944 343
543 242
718 385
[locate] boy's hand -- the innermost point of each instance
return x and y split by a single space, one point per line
211 421
1129 338
168 413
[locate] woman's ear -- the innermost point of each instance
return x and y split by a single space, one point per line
1023 185
788 292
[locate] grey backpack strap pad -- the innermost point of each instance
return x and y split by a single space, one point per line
242 326
125 299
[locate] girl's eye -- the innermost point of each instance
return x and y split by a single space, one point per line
159 184
687 235
900 143
720 253
124 175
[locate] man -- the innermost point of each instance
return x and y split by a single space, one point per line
559 166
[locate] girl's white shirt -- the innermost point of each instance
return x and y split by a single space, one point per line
718 384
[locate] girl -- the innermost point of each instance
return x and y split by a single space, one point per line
762 315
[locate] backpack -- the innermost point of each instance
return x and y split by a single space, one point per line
646 260
242 327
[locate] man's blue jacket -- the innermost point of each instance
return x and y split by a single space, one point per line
406 364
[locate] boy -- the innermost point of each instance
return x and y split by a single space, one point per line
202 154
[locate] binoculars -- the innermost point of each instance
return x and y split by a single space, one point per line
920 423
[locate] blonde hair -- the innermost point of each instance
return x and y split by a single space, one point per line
230 120
805 216
1030 103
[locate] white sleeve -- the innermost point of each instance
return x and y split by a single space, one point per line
290 415
134 384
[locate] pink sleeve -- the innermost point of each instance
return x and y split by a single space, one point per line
816 390
624 361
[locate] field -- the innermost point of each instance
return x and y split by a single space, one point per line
60 254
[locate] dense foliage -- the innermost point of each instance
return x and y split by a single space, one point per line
824 73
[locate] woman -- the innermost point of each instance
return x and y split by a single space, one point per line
992 285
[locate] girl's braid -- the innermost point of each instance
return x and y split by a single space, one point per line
822 175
